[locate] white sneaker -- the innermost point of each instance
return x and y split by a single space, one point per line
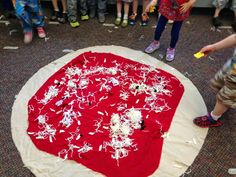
170 54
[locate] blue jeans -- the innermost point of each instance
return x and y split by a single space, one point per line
174 32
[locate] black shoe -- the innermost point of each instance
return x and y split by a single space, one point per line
234 26
216 22
92 13
63 18
101 18
55 15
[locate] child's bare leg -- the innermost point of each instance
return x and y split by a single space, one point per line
217 12
219 109
145 3
55 5
64 6
135 6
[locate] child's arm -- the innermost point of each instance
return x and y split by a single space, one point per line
228 42
14 3
152 3
185 7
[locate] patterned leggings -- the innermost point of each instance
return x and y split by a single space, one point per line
30 14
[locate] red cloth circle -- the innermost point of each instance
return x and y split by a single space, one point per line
74 114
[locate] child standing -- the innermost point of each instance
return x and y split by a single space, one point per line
56 15
124 22
219 5
30 14
144 15
72 13
224 82
176 10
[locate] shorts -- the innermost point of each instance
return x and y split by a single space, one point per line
225 82
223 3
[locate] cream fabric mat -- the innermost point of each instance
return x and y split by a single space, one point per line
179 149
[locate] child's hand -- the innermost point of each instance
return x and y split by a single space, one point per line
151 4
208 49
14 3
186 6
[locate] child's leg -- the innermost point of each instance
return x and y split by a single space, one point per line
24 16
72 10
145 3
102 4
135 7
118 9
92 8
126 10
37 13
160 27
126 13
83 7
175 33
233 7
55 5
64 6
219 109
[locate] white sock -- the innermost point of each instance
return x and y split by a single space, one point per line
119 15
125 17
214 116
57 10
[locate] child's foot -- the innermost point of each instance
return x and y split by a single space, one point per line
216 22
124 23
92 13
132 19
101 18
28 36
207 121
118 21
144 19
74 24
63 18
84 17
41 32
152 47
170 54
55 15
234 26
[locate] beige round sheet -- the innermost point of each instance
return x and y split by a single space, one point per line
181 145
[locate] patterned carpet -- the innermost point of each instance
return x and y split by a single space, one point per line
218 153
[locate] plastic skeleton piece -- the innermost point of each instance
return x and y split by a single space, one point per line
199 55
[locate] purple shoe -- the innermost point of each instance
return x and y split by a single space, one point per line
170 54
152 47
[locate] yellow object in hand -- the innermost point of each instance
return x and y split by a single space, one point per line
199 55
152 9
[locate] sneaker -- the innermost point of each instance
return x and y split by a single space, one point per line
207 121
84 17
41 32
63 18
152 47
55 16
132 19
170 54
101 18
74 24
124 23
144 19
216 22
28 36
92 13
233 25
118 21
